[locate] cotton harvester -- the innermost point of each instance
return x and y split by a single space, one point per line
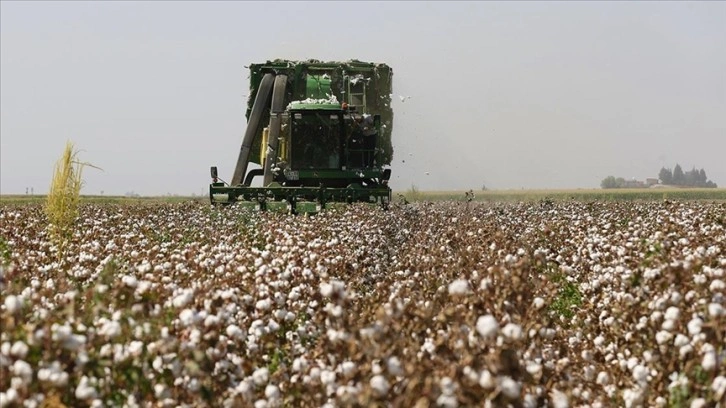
321 132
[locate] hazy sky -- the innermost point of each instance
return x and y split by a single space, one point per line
514 95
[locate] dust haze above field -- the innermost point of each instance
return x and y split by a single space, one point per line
511 95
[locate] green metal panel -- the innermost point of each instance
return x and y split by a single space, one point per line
318 87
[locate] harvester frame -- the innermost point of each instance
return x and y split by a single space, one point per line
315 148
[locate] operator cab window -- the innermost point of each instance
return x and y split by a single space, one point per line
315 140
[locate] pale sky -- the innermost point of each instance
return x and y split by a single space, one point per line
514 95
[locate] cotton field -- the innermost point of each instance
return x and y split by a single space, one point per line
555 304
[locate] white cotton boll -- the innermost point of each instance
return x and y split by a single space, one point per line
602 378
717 285
448 386
261 376
327 377
261 403
709 360
487 326
135 348
684 351
599 341
447 401
538 303
243 387
347 369
529 401
129 281
8 397
718 386
681 340
13 304
471 375
334 310
663 337
183 299
23 370
668 325
84 390
512 331
698 403
272 392
300 364
633 397
160 391
336 335
211 320
326 289
631 363
280 314
486 380
110 329
187 317
715 310
640 374
380 385
694 326
393 365
264 304
19 349
559 399
510 388
459 287
534 369
547 333
672 313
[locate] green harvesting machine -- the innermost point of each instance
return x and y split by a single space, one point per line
321 132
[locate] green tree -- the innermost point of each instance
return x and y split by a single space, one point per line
609 182
702 179
665 176
691 177
678 177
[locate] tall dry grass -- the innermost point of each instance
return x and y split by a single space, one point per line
63 200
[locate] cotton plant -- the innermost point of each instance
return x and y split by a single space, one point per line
170 305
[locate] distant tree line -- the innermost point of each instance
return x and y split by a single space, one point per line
675 177
690 178
612 182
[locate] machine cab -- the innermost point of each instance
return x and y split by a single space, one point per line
326 141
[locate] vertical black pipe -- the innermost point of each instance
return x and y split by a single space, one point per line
278 106
262 102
